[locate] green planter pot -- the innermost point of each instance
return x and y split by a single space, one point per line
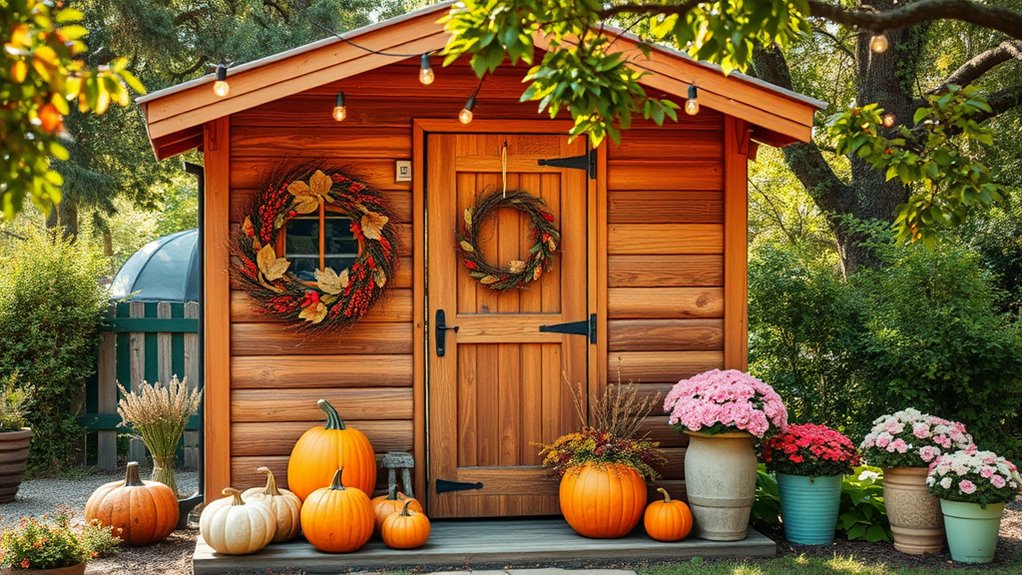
809 508
971 530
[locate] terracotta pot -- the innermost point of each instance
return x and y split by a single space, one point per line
78 569
720 480
915 516
13 461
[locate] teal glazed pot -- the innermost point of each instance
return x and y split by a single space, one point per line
971 530
809 508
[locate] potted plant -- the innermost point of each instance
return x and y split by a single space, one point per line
40 546
904 444
810 462
14 437
603 468
722 412
973 487
159 413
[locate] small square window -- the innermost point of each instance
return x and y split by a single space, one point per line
301 244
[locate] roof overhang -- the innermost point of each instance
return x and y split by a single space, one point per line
175 116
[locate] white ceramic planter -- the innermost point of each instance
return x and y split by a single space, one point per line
720 481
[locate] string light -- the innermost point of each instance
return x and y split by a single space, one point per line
889 119
220 87
340 110
692 104
465 116
879 43
426 75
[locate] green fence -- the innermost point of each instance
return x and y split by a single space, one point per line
149 341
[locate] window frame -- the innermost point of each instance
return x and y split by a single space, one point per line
281 244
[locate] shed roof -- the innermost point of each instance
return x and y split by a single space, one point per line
175 115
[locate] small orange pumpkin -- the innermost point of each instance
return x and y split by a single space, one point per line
405 529
141 512
337 519
323 449
285 506
392 502
604 500
668 520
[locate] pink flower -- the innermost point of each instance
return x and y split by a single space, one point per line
998 481
986 472
921 430
898 445
928 452
967 486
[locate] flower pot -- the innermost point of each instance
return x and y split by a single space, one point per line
720 480
13 461
603 501
78 569
972 530
809 508
914 514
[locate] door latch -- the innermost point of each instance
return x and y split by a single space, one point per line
441 327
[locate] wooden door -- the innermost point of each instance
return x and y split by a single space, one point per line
499 387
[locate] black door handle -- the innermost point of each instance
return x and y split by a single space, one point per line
441 327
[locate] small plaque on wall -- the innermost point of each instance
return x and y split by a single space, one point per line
403 171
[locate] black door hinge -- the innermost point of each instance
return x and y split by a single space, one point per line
585 162
445 486
586 327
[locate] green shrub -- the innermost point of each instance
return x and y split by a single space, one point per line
766 507
12 403
806 331
863 515
50 309
939 343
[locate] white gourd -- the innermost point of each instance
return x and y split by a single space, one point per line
285 506
233 527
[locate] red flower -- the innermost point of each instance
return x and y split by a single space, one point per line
471 265
24 563
356 187
338 178
547 216
356 230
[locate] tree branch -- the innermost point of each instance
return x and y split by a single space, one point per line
805 159
1001 101
971 71
994 17
997 18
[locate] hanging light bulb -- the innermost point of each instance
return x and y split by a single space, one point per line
889 119
465 116
879 43
426 75
220 87
692 104
340 110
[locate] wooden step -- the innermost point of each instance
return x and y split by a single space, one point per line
481 544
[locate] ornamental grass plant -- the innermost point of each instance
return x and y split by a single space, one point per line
617 416
159 413
41 543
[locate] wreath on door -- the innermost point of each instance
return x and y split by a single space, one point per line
517 273
337 299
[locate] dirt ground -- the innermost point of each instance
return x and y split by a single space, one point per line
173 556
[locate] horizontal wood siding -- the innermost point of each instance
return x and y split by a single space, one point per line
665 265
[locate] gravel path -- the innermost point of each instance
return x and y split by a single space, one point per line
39 496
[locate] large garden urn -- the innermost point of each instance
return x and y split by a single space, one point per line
915 516
720 481
13 461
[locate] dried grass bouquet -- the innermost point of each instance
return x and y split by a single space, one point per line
159 413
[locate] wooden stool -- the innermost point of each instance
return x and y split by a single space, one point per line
404 461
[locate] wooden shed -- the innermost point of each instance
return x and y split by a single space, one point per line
651 270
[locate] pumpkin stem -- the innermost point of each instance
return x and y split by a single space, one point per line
230 491
392 493
336 483
667 496
333 419
404 510
271 481
131 478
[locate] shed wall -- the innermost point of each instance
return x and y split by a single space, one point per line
665 270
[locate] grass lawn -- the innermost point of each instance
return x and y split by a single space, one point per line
803 565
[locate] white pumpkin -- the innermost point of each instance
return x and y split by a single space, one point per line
285 506
232 527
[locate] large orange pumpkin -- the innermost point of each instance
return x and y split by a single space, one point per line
392 502
406 529
323 449
602 500
141 512
337 519
668 520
